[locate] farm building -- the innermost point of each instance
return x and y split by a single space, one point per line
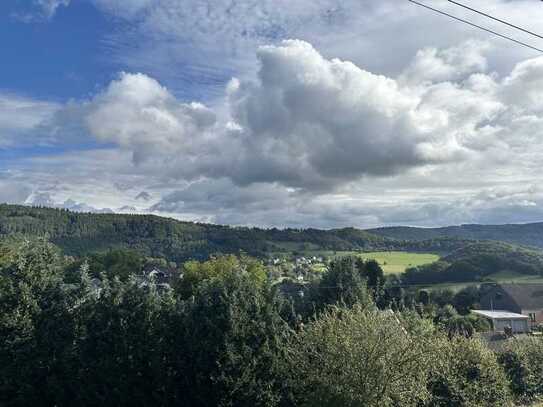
501 320
526 299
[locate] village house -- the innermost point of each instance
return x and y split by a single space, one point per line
162 276
525 299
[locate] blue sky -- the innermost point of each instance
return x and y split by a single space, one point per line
321 113
58 59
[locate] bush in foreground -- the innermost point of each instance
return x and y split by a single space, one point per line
357 357
523 363
466 373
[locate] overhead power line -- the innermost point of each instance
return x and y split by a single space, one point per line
476 26
444 285
496 19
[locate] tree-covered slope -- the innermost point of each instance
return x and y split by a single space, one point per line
80 233
492 257
530 234
477 261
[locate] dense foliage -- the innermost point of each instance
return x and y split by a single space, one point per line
477 261
358 357
224 336
523 363
83 233
88 236
466 373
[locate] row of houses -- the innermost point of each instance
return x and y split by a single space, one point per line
299 261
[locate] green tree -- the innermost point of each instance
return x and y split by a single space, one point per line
465 373
36 327
522 360
115 263
466 299
218 268
357 357
374 274
344 283
120 346
448 319
233 336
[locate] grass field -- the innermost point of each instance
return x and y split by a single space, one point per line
397 262
391 262
501 277
512 277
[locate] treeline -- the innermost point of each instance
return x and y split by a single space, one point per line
529 234
223 336
477 261
83 233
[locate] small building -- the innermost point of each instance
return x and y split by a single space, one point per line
291 289
526 299
501 320
161 276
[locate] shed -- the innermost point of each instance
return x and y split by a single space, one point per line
502 319
524 299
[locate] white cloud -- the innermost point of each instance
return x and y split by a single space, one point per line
123 8
20 115
46 199
326 125
194 46
308 141
137 113
40 10
12 192
49 7
451 64
523 87
306 122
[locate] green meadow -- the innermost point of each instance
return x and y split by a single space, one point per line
392 262
398 262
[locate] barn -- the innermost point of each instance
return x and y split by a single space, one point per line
526 299
501 320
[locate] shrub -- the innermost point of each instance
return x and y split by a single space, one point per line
466 373
357 357
522 361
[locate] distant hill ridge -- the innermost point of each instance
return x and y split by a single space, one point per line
81 233
529 234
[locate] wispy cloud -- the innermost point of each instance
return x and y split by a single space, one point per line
20 115
196 46
41 10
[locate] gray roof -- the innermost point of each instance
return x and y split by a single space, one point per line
527 296
499 314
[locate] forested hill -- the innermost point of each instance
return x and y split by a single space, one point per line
80 233
478 261
530 234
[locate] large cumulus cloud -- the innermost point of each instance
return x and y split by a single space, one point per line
305 122
136 112
316 141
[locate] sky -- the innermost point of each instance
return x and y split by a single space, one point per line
273 113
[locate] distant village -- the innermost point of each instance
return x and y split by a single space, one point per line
511 309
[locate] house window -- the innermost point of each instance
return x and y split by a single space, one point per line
532 316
